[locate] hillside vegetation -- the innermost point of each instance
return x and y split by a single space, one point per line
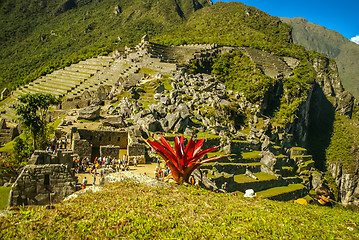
331 43
134 211
39 36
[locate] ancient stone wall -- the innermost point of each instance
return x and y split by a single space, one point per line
241 146
40 157
7 133
110 150
46 179
82 148
138 151
72 103
103 138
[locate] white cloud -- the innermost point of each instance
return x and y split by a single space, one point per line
355 39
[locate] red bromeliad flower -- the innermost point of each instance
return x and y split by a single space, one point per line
183 161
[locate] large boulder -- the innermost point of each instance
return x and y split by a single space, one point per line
89 113
116 122
160 89
268 159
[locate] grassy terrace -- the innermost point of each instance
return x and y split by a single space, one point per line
251 155
133 211
4 195
228 163
241 178
279 190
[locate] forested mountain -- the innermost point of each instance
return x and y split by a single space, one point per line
332 44
39 35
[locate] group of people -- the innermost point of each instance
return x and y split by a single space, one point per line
161 174
81 165
101 179
55 145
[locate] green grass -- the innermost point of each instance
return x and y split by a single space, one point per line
8 147
147 71
251 155
237 164
279 190
133 211
299 148
4 195
206 135
241 178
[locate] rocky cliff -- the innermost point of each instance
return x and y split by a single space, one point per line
313 128
331 43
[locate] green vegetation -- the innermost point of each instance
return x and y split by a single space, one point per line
239 73
343 147
332 44
177 213
251 155
41 36
4 195
32 111
241 178
279 190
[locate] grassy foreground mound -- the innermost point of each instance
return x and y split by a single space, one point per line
134 211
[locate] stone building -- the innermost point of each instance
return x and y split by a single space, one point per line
46 179
95 143
114 143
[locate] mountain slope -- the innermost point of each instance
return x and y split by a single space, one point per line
331 43
40 35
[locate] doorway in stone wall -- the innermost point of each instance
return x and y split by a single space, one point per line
123 151
95 153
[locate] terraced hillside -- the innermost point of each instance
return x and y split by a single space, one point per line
156 96
70 81
185 104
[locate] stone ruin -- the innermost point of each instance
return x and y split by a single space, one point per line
46 179
7 132
95 143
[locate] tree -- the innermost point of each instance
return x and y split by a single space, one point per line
32 112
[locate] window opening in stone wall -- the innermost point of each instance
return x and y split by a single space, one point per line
109 139
100 138
47 179
118 139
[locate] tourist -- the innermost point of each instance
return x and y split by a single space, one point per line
224 186
94 179
102 179
84 183
323 197
135 161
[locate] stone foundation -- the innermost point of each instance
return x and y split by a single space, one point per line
45 180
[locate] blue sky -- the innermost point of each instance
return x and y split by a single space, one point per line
340 16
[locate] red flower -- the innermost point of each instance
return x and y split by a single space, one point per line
183 161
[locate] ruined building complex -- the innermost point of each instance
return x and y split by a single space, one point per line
47 178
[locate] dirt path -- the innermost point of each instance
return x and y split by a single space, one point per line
148 169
